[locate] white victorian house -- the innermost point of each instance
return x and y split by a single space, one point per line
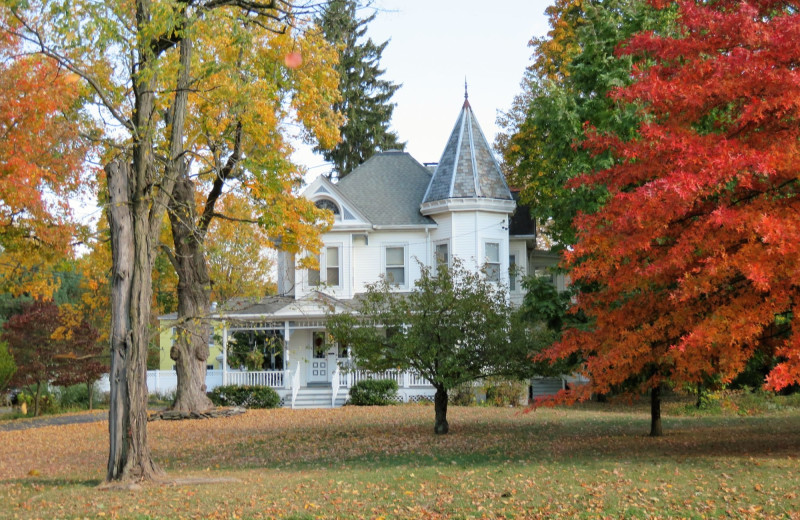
390 214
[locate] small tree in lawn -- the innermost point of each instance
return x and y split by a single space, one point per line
35 352
53 345
84 358
453 328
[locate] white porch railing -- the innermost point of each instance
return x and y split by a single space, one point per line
166 381
272 378
402 378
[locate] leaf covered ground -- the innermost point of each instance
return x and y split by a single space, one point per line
587 462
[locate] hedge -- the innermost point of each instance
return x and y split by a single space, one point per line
373 392
246 396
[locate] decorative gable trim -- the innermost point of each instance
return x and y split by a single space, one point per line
351 217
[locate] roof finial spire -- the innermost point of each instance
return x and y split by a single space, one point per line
466 94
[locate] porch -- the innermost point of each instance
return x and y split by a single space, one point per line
335 393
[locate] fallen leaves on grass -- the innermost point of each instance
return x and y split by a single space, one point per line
386 462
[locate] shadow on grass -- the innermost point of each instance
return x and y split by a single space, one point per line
35 482
593 437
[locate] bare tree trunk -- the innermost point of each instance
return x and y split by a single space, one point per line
440 404
129 456
190 351
655 412
90 388
37 400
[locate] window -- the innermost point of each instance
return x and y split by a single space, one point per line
396 265
331 261
441 255
512 272
332 264
320 347
492 254
544 273
329 205
313 276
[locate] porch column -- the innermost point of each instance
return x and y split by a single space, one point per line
287 334
350 367
224 353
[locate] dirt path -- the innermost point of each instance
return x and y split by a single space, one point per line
53 420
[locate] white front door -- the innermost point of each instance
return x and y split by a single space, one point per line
318 365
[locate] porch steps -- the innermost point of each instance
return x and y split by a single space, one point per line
316 397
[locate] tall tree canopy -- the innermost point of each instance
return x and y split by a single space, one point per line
149 67
694 258
237 134
566 88
366 97
42 155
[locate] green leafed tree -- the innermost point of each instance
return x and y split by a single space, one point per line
565 89
453 328
7 366
366 96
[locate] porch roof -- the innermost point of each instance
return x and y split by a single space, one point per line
312 307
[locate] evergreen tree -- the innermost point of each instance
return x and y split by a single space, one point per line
365 96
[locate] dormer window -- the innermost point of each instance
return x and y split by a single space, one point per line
330 206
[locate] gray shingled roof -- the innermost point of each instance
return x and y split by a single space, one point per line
467 168
388 189
264 306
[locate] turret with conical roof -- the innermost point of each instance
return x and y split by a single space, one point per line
467 169
470 202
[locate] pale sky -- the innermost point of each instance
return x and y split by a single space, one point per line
434 45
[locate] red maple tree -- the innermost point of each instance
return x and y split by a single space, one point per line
48 350
693 263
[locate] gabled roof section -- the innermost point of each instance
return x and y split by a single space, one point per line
388 189
467 168
346 211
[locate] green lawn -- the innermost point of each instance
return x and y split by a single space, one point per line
594 461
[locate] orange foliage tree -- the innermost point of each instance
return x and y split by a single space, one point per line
41 165
694 260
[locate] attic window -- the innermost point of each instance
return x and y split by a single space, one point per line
329 205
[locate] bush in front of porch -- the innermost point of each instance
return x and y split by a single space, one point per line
374 392
246 396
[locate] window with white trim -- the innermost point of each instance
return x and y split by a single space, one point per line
313 276
332 266
395 268
441 255
491 252
329 205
